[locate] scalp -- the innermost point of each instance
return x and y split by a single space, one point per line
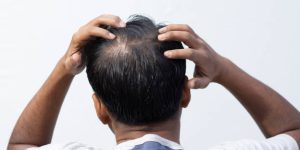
137 84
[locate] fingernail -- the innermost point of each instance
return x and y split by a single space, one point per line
162 30
161 37
122 24
167 54
112 36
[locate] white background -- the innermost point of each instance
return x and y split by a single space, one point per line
261 36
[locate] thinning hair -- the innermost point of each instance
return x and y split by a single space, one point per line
130 74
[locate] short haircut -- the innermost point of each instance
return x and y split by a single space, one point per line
135 81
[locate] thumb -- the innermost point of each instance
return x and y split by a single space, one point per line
198 82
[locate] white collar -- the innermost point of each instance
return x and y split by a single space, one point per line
148 137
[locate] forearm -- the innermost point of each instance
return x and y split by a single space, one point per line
36 124
272 112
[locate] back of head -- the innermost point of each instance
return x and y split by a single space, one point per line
136 83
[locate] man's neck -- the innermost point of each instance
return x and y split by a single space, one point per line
169 130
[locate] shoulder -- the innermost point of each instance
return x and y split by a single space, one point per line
279 142
64 146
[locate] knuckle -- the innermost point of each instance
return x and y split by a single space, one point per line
186 26
203 86
90 31
186 36
197 56
190 54
114 19
117 19
80 28
103 15
76 36
192 36
198 39
169 28
205 55
170 34
189 28
172 26
99 18
199 44
84 30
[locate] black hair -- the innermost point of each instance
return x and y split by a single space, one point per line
130 74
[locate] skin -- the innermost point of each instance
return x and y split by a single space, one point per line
272 113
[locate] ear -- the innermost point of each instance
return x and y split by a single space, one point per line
101 110
186 94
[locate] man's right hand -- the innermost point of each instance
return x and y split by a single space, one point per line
72 60
36 124
208 64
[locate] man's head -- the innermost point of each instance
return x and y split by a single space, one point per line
131 77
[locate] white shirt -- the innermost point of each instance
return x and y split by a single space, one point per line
279 142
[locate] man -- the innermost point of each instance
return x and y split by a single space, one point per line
137 72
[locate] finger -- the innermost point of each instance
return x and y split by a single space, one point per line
86 32
186 53
110 20
198 82
176 27
100 32
187 38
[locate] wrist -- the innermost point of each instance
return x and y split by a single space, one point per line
62 69
224 70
